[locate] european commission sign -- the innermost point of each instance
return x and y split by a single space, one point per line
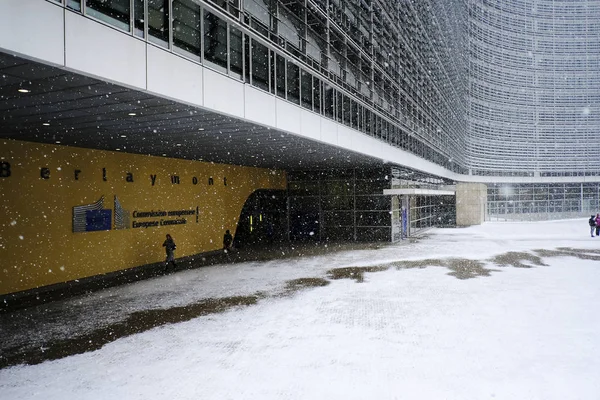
94 217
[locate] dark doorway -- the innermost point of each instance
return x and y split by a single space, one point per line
263 219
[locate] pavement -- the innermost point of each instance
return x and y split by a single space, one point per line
57 324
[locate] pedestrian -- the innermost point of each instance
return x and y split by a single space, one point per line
227 241
592 223
597 224
170 247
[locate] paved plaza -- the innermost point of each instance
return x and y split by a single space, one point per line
498 311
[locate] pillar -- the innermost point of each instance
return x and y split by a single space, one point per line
471 203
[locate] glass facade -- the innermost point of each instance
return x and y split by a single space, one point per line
543 201
534 87
392 70
506 88
344 205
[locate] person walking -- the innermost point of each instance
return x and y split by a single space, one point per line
597 224
227 241
169 245
592 223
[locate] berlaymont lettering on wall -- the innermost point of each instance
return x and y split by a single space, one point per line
94 217
71 212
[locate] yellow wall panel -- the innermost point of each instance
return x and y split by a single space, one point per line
41 184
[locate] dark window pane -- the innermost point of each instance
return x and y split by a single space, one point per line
247 58
138 17
317 95
372 202
260 65
272 77
158 20
354 114
368 122
293 83
234 8
215 40
186 26
366 218
339 106
338 218
347 110
306 90
280 76
361 118
328 105
221 3
114 12
235 52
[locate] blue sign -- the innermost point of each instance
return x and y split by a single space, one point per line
404 223
98 220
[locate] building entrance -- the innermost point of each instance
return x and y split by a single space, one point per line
263 219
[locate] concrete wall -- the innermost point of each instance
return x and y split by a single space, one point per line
471 203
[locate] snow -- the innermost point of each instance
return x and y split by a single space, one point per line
403 333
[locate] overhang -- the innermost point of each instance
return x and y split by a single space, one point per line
49 104
419 192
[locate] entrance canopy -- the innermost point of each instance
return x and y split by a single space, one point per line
420 192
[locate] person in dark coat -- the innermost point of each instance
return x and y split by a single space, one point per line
592 223
169 245
227 240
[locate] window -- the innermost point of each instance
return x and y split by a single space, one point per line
235 52
338 105
317 95
347 102
280 75
272 77
186 26
247 62
260 65
114 12
293 83
215 41
360 118
306 89
138 18
74 4
354 114
328 101
368 122
228 5
158 21
259 11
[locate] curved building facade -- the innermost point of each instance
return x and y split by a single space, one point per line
376 116
534 88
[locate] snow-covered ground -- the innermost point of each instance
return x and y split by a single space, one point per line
403 333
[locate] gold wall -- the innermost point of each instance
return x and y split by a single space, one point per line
42 185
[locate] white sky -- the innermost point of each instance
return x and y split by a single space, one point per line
521 333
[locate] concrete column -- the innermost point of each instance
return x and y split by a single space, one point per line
471 203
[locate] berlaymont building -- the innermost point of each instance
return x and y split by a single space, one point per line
289 120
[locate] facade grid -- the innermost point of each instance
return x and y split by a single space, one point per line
534 89
387 69
494 88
